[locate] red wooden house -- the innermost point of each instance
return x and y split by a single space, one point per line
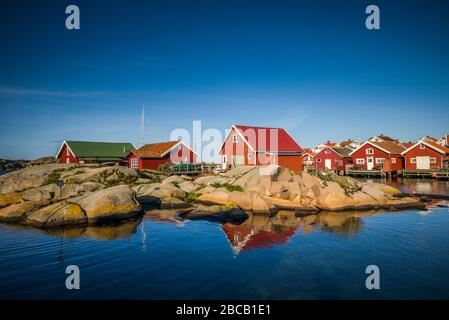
150 156
307 157
425 155
333 158
245 145
385 155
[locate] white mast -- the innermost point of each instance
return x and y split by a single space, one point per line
142 127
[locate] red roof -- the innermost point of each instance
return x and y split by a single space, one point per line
309 152
265 139
154 150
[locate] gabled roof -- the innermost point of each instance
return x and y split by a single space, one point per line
383 137
285 142
308 152
95 150
431 144
157 150
343 151
389 147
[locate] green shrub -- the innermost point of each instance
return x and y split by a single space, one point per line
192 196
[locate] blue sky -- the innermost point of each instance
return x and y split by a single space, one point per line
308 66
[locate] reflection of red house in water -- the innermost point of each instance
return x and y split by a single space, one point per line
243 238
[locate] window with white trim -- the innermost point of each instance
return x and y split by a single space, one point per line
235 138
225 158
318 160
360 161
433 160
380 160
327 152
250 156
134 163
393 160
412 160
422 147
369 151
67 151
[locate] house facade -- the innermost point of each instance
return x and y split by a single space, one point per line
151 156
333 158
385 156
93 152
425 155
307 157
247 145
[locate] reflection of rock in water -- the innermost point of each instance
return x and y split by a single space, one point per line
346 224
107 232
165 215
261 231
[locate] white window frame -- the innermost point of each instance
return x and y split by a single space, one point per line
225 158
422 146
235 138
67 151
360 161
380 160
250 155
393 160
327 152
318 160
412 160
433 160
370 151
134 163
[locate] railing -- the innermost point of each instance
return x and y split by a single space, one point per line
189 169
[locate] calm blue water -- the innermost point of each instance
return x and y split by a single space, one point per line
282 257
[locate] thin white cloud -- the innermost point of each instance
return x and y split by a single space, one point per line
43 92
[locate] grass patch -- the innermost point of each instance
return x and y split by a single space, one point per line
228 186
192 196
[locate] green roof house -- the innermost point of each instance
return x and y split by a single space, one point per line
93 152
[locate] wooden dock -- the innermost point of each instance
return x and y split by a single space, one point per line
416 173
189 169
364 173
436 174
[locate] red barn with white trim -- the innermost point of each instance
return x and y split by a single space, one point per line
425 155
151 156
332 158
384 155
247 145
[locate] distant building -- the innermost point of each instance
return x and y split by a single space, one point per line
321 146
333 158
93 152
382 138
151 156
307 157
248 145
351 144
385 155
425 155
444 141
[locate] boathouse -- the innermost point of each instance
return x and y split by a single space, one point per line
93 152
151 156
425 155
333 158
248 145
384 156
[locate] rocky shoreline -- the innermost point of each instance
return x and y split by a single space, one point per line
97 195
